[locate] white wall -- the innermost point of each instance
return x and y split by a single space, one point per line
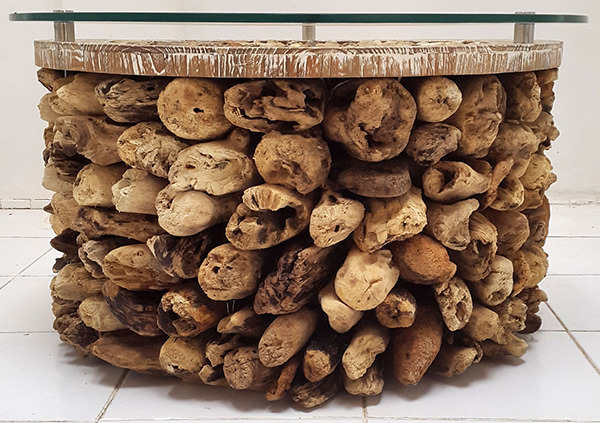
577 109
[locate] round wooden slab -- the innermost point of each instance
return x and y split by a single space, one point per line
297 59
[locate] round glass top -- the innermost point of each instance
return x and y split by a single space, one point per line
310 18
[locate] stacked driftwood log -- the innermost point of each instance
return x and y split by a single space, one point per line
298 236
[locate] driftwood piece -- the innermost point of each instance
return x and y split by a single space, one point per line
244 370
217 168
544 129
286 335
513 230
61 307
300 273
536 180
133 267
93 137
184 357
368 385
93 185
422 260
275 104
389 220
130 100
268 215
244 322
212 376
322 354
473 262
523 96
517 141
95 223
95 312
449 223
448 182
149 146
430 142
182 256
374 122
92 253
136 192
64 212
369 340
413 349
192 108
48 77
386 179
217 349
136 310
455 302
334 218
228 273
510 193
186 311
437 97
129 351
187 213
479 114
365 279
340 316
537 262
312 394
483 324
453 360
515 346
499 172
397 309
73 331
74 283
282 385
539 219
296 161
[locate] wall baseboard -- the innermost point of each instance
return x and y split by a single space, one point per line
24 203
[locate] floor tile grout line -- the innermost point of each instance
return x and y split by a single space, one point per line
112 395
483 419
575 341
26 267
364 410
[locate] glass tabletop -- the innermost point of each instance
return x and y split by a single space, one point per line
310 18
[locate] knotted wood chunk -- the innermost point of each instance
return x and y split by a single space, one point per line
483 323
536 180
217 167
413 349
515 346
312 394
368 385
228 273
62 307
136 192
340 316
455 302
334 218
280 387
77 91
212 376
268 215
184 357
186 213
244 322
133 267
372 121
453 360
92 253
217 349
95 312
389 220
517 141
130 351
149 146
276 104
422 260
523 96
286 335
93 186
386 179
449 223
545 79
192 108
479 115
47 77
129 100
136 310
474 261
74 283
365 279
300 273
73 331
296 161
398 309
186 311
539 219
513 230
544 129
448 182
510 193
437 97
322 354
430 142
369 340
244 370
64 211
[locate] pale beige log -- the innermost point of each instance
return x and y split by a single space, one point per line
517 141
515 347
523 96
286 335
296 161
483 324
95 223
74 283
479 115
499 172
79 92
449 223
93 137
276 104
422 260
453 360
47 77
536 180
217 349
95 312
244 322
340 316
187 213
376 125
130 351
510 193
129 100
398 309
496 286
413 349
228 273
46 108
385 179
334 218
94 182
55 180
133 267
149 146
429 143
437 97
184 357
537 260
455 302
217 168
365 279
449 182
367 343
65 211
389 220
268 215
244 370
192 108
136 192
368 385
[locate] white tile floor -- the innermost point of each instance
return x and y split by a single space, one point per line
558 380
